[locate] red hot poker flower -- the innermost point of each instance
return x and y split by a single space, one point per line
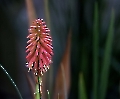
39 50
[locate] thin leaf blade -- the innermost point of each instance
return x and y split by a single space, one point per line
82 89
95 51
106 59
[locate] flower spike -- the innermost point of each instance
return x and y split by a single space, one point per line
39 49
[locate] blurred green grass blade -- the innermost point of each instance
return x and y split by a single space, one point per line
84 62
82 90
106 59
116 65
95 51
11 81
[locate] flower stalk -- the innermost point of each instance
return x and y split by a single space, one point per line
39 52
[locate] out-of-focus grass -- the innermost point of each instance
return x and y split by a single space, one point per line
31 11
95 52
47 13
31 84
97 92
11 81
82 87
105 68
99 88
62 81
49 75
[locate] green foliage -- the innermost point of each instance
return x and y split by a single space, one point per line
38 95
11 81
37 92
106 59
99 89
82 89
95 52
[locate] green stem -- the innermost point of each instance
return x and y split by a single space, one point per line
48 94
38 94
12 81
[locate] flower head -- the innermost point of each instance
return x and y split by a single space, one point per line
39 49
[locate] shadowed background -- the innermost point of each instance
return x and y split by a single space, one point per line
75 16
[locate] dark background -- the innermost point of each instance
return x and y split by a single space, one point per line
77 14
